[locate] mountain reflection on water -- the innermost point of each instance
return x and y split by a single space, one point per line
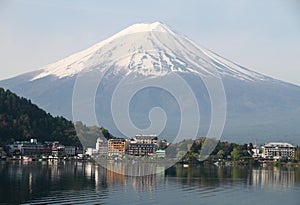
89 183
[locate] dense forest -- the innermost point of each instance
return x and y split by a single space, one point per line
22 120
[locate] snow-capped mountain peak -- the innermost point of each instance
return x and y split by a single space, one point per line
145 27
147 49
75 63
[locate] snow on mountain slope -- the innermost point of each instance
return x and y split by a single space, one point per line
151 49
257 106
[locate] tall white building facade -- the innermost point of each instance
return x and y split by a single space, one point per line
277 150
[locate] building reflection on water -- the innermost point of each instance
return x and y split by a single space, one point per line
273 178
115 173
40 179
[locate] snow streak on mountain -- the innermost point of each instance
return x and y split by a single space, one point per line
149 50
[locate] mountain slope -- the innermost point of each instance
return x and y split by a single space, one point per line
20 120
258 107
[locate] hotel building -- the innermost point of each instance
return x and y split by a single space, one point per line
143 145
116 147
277 150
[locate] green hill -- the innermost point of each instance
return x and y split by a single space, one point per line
22 120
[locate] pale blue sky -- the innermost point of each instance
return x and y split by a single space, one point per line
261 35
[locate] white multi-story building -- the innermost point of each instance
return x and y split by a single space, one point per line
143 145
102 146
277 150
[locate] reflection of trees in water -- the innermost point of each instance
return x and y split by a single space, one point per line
213 176
200 176
22 182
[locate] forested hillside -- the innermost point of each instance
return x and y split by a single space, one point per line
22 120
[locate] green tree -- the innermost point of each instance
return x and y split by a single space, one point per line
236 153
106 133
221 154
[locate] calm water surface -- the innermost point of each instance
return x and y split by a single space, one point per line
88 183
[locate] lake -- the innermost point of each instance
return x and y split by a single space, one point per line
88 183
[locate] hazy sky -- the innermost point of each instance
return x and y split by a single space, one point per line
261 35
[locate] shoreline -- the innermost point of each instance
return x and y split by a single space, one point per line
224 163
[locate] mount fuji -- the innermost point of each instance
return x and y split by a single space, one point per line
259 108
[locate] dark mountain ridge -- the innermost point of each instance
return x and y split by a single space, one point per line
20 119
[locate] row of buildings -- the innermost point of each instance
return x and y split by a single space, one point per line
274 151
140 145
34 148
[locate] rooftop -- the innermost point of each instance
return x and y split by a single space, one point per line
146 137
279 144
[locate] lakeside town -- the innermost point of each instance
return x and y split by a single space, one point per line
148 147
